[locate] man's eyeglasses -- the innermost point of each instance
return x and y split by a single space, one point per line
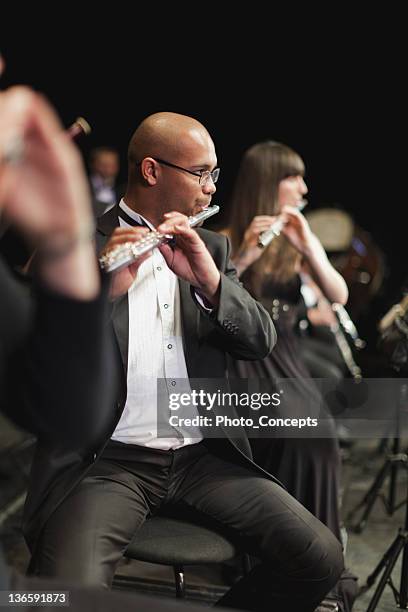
204 175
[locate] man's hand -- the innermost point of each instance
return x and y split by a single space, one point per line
123 279
190 259
44 192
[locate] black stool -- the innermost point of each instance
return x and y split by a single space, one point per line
169 541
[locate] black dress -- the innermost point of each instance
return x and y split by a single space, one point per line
308 467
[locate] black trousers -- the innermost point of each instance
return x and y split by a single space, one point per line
88 533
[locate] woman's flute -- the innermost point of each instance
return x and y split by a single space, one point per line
268 235
124 254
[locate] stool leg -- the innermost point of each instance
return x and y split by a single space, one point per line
246 564
180 583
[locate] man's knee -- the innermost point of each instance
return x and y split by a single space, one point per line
305 550
335 557
328 564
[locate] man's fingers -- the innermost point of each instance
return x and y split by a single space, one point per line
134 266
176 226
171 220
125 234
131 232
172 213
25 115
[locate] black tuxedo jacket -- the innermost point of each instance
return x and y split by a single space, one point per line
239 326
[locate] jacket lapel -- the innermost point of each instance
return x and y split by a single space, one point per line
120 309
120 319
189 322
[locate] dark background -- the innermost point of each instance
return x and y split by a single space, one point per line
335 97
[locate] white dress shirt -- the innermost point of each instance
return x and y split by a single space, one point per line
155 354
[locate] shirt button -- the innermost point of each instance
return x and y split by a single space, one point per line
166 305
169 346
173 383
158 268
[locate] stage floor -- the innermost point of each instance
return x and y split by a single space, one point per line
360 466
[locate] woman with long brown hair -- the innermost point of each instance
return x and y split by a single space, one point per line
270 185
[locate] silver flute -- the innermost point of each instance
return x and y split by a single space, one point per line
275 229
13 152
347 325
124 254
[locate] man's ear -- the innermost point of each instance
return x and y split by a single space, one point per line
149 170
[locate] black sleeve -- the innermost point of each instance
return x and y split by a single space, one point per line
61 381
247 329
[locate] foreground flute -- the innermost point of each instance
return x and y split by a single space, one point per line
13 153
80 127
268 235
124 254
